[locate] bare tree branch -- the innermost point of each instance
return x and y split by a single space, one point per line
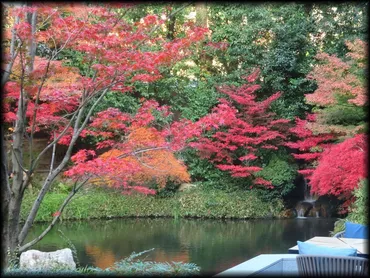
10 73
18 161
32 47
52 57
83 125
54 221
36 109
52 156
56 140
52 175
142 151
34 164
4 163
148 166
13 55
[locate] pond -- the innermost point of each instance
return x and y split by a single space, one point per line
214 245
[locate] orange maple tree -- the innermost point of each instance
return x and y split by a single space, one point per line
152 166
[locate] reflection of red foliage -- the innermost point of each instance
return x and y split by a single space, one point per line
102 258
163 256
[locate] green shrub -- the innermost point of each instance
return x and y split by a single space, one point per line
359 210
168 191
202 170
220 204
343 113
281 171
196 202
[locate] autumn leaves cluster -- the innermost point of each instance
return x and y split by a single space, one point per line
134 151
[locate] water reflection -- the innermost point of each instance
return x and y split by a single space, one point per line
101 258
214 245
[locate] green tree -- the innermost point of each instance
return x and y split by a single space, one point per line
338 22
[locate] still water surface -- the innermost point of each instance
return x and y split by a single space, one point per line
214 245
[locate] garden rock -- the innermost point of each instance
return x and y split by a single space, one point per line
289 213
37 260
186 186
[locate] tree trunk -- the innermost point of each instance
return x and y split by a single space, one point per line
201 14
308 8
5 198
171 27
13 201
205 60
17 180
13 222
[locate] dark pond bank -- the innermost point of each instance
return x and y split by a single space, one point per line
214 245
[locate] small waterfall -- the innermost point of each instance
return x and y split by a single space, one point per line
307 205
308 197
301 213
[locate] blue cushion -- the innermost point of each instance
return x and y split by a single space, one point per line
354 230
305 248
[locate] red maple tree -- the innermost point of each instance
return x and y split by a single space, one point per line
340 168
341 85
335 77
238 127
144 155
111 46
331 167
310 146
43 93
